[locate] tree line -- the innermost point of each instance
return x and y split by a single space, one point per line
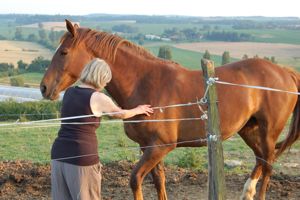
48 39
195 34
237 22
39 65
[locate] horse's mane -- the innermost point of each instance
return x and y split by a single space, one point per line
104 42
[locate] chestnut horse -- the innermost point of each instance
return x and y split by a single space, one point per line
258 116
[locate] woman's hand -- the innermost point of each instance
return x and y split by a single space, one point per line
144 109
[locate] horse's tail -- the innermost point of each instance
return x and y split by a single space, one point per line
294 130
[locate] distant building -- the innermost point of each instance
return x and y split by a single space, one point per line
156 37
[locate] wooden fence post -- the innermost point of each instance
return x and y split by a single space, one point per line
216 179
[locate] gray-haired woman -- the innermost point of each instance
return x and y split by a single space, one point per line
75 166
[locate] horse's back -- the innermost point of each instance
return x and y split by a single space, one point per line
256 71
238 104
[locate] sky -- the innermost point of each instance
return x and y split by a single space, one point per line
269 8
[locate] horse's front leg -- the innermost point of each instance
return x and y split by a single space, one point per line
158 174
151 157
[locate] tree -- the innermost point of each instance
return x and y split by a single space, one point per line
206 27
18 34
206 55
32 37
140 38
245 56
124 28
41 25
165 53
225 58
21 65
39 64
273 60
5 66
43 35
52 37
191 34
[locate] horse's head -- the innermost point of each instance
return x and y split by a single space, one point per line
66 65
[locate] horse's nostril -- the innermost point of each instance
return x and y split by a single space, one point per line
43 89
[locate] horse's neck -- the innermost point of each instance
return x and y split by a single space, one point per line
126 74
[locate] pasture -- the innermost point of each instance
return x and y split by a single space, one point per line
31 79
17 143
13 51
188 58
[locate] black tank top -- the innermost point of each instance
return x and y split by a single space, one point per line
77 141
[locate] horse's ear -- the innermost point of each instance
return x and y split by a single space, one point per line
71 28
76 26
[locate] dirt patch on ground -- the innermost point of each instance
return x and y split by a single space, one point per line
24 180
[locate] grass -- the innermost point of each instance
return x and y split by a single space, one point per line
34 144
188 59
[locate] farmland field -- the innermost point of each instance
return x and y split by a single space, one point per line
13 51
274 35
286 54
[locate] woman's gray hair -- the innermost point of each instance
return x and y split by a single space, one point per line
96 73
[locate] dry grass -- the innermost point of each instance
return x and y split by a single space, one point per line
13 51
238 49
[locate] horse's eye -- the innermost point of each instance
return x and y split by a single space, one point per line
64 52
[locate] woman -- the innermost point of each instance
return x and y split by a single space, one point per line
75 166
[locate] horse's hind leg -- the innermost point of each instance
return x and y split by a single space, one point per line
151 157
158 174
250 134
269 133
267 161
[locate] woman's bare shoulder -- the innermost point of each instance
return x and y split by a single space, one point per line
100 96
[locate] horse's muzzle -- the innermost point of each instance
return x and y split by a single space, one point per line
43 89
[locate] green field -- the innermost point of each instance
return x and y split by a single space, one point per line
30 79
275 36
188 59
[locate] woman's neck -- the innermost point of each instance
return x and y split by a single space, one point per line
86 85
